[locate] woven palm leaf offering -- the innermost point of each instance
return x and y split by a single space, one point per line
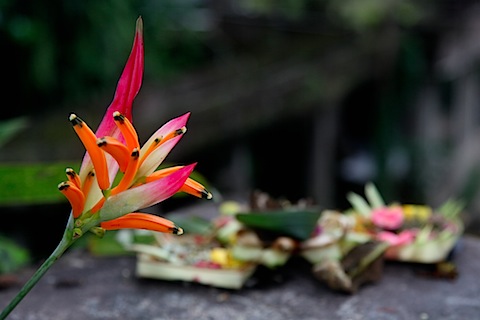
343 254
347 249
227 250
199 256
268 230
414 233
192 258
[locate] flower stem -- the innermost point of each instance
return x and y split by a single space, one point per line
64 244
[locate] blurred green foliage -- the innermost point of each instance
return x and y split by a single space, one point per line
31 183
12 255
9 128
366 14
60 52
351 14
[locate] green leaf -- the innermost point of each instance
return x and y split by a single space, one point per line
451 208
31 183
192 224
359 204
296 223
373 196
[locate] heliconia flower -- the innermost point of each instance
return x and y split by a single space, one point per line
96 201
390 218
100 201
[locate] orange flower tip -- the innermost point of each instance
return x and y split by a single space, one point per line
74 119
135 153
117 116
71 174
88 180
180 131
101 142
206 195
177 230
73 177
63 185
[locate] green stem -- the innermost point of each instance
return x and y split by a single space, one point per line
66 242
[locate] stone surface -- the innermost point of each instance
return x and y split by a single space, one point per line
81 286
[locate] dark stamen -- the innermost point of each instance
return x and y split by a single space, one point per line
135 153
177 230
101 142
70 172
63 186
206 195
75 120
117 116
180 131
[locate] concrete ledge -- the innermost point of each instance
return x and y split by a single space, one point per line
80 286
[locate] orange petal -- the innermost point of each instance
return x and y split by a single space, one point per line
116 149
127 129
142 221
73 177
129 173
97 155
161 173
74 195
196 189
98 205
87 184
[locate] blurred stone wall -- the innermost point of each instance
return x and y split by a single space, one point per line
307 108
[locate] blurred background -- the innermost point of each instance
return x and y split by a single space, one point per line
298 98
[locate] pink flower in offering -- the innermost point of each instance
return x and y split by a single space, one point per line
389 218
393 239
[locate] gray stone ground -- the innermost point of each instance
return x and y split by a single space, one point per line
80 286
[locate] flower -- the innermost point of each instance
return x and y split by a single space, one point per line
390 218
99 202
420 213
403 238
